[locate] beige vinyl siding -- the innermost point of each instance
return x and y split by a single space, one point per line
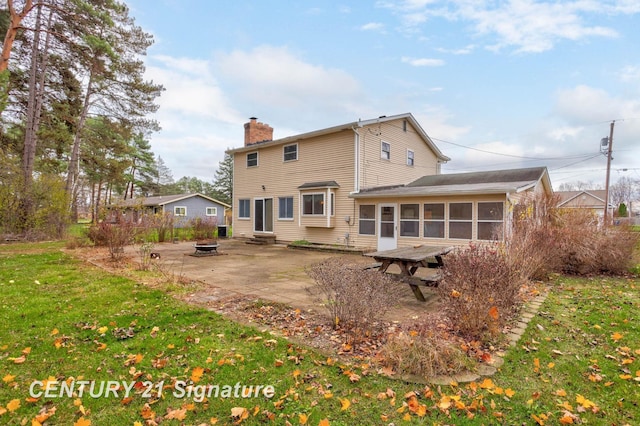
324 158
376 171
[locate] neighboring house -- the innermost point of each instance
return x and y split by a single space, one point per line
370 184
182 207
586 199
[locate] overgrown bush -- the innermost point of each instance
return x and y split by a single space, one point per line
533 246
479 289
114 236
605 251
356 299
203 228
544 239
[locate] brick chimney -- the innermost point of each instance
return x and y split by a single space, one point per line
255 132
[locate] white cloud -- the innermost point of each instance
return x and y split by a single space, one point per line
274 80
630 73
190 89
524 25
462 51
372 26
422 62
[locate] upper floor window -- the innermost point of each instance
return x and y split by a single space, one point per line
290 152
385 150
410 156
252 159
212 211
244 209
179 211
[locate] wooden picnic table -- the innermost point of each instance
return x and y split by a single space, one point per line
409 259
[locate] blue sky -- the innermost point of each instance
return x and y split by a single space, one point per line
496 84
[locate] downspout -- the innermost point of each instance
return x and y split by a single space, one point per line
356 169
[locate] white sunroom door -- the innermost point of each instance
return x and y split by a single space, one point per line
263 217
387 228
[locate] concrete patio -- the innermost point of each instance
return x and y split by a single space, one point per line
274 273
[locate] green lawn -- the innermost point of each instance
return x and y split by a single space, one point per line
63 321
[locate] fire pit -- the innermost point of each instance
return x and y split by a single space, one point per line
206 248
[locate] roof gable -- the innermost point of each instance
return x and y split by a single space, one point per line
347 126
584 197
161 200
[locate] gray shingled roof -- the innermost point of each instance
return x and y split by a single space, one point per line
161 200
490 182
323 184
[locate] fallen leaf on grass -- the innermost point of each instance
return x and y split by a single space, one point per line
82 422
13 405
196 374
616 336
238 414
178 414
344 404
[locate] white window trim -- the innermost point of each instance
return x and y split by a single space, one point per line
444 220
283 153
375 208
324 204
175 213
215 211
286 219
400 220
413 157
382 151
244 217
472 221
477 220
257 159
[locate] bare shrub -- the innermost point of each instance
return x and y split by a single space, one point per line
162 223
533 247
355 299
145 255
114 236
480 290
545 239
607 250
203 228
423 354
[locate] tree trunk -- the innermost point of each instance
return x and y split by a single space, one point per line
74 161
12 31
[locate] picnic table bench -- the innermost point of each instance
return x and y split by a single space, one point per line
409 259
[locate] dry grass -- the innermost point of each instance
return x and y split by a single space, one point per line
423 350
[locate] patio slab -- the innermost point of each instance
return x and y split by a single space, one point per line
274 273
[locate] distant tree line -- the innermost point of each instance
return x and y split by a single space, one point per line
74 107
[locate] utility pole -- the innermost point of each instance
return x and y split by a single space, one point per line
606 191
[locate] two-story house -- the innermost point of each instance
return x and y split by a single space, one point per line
370 184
